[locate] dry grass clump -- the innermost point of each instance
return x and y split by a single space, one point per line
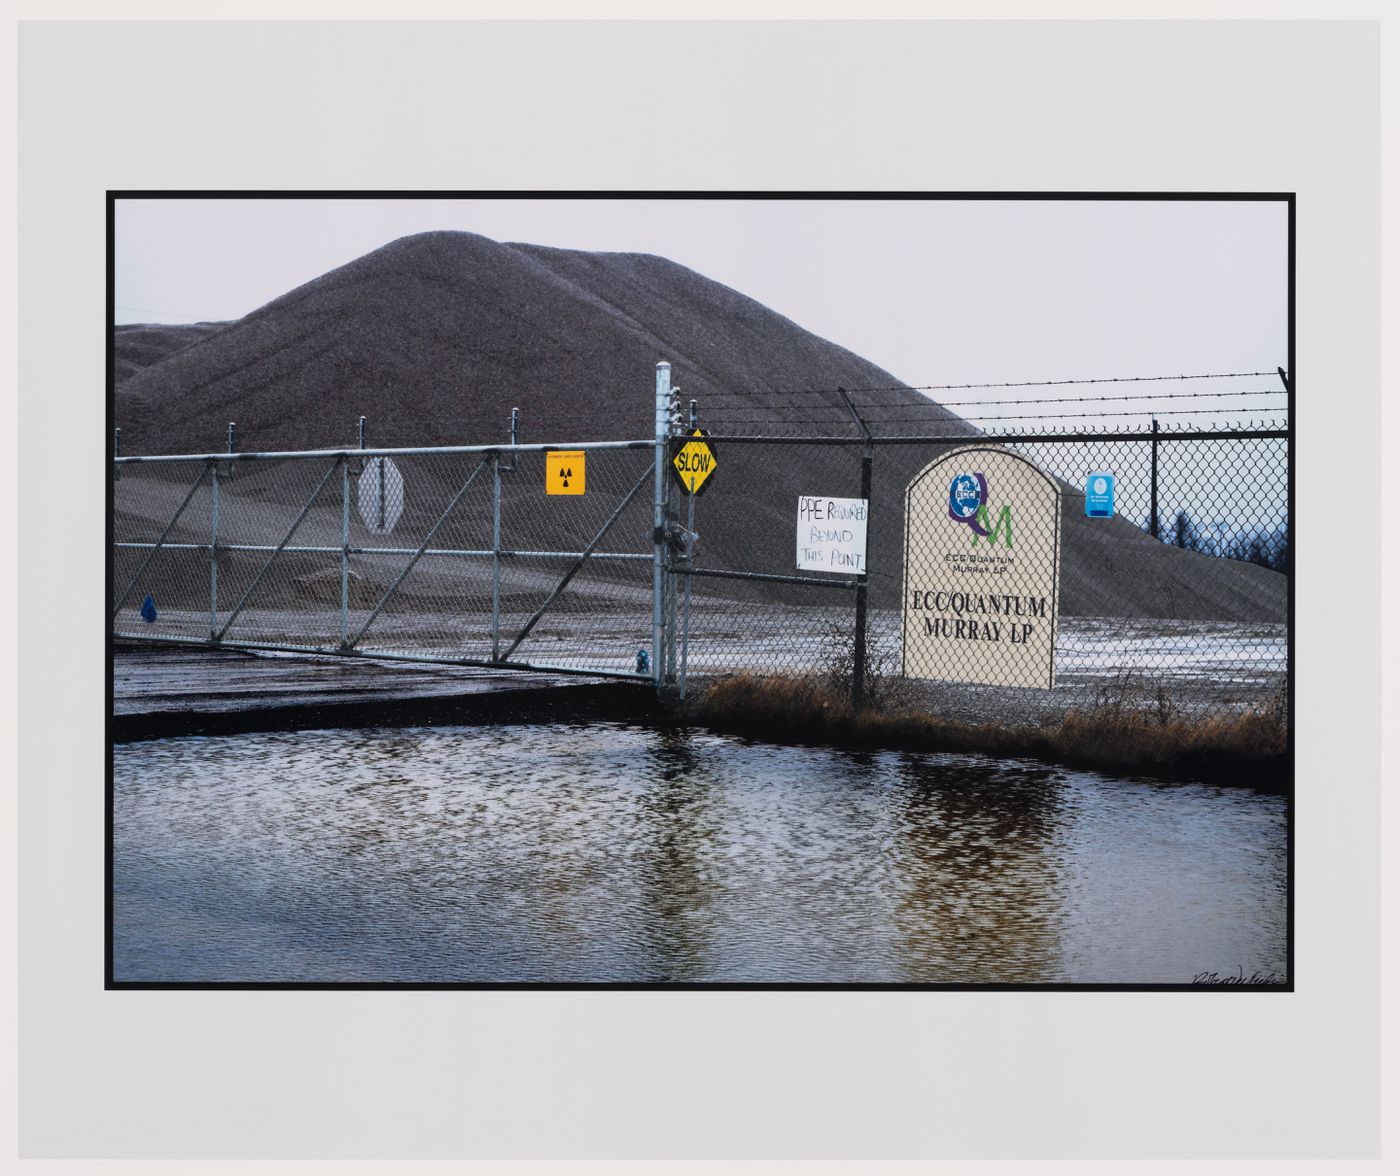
1120 735
804 709
781 702
1215 747
1136 726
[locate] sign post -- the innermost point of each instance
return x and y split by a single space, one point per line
693 465
981 570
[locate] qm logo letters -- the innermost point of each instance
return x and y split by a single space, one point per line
967 504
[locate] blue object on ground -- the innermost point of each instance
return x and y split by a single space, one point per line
148 609
643 662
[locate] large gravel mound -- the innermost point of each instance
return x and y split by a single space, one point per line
435 337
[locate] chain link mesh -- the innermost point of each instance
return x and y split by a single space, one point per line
453 556
1178 603
1191 621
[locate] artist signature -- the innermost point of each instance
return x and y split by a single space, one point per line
1236 977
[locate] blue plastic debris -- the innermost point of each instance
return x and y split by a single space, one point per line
148 609
643 662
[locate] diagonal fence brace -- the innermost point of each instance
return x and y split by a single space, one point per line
164 535
578 563
271 559
417 555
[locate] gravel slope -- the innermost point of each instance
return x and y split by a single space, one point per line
435 337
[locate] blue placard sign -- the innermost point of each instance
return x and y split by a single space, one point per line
1098 496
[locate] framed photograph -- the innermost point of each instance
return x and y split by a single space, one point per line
835 590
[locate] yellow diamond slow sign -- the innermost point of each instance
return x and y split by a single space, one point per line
694 463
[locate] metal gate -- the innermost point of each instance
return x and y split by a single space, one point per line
467 555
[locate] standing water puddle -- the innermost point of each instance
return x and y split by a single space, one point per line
604 853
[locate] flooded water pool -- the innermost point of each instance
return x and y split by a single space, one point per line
609 853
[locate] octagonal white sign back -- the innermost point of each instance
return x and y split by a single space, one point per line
981 570
380 495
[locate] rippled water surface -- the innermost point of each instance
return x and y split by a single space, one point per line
608 853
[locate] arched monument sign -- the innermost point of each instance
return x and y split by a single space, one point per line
981 570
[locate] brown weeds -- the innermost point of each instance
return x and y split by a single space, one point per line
1121 732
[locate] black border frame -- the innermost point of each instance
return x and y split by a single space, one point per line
111 984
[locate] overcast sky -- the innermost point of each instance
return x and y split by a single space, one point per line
935 292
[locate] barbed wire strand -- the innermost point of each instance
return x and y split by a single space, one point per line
1031 399
1103 399
1051 416
1012 384
1218 410
1043 434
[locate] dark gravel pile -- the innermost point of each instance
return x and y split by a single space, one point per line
139 345
435 337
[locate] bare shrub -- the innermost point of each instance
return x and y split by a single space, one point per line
886 691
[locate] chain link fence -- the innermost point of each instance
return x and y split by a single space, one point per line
454 555
1177 603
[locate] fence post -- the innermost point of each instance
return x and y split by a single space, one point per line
496 559
232 445
858 670
671 615
662 426
496 535
1155 527
214 551
858 642
344 551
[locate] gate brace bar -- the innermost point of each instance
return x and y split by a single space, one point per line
578 563
141 571
287 538
417 555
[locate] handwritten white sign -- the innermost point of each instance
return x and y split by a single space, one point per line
831 534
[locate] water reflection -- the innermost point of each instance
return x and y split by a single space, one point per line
982 879
677 825
608 853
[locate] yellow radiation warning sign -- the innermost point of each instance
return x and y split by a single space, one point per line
564 471
694 463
